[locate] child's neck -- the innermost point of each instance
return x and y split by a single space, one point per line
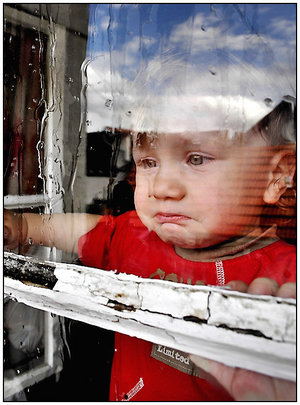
229 249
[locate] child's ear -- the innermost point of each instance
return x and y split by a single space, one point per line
281 176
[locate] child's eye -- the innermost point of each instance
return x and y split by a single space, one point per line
148 163
196 159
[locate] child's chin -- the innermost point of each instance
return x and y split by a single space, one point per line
177 240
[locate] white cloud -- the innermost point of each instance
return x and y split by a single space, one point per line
172 95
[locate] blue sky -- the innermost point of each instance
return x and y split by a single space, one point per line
158 21
245 50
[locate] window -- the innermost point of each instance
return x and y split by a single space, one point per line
84 84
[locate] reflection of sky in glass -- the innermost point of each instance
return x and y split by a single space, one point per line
184 62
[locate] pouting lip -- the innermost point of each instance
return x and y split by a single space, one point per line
169 217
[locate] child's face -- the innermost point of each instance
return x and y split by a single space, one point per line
198 189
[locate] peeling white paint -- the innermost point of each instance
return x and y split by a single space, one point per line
257 333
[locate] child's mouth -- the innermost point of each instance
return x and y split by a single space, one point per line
165 217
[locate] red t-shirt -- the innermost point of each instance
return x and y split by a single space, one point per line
124 244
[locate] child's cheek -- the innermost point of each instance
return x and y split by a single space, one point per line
140 200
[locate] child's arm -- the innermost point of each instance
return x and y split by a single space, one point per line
245 385
59 230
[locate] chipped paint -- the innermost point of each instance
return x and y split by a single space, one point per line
253 332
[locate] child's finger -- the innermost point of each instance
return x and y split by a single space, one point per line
287 290
263 286
237 285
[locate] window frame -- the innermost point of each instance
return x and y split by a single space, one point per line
195 319
50 201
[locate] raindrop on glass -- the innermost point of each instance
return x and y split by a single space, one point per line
268 101
108 103
212 70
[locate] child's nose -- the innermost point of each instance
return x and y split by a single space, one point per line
168 185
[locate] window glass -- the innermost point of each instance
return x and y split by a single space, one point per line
85 85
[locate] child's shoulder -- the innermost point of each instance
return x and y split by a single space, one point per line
281 247
278 261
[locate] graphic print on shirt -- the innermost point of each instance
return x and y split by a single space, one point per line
174 358
134 390
173 277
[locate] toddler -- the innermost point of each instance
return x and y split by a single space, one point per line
199 200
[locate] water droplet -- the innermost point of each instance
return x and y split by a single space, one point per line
128 113
212 70
30 241
34 100
18 371
33 47
268 101
108 103
203 28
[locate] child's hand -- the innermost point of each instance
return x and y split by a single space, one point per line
265 286
15 229
245 385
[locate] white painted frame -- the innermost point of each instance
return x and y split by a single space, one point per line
53 117
49 200
253 332
50 365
